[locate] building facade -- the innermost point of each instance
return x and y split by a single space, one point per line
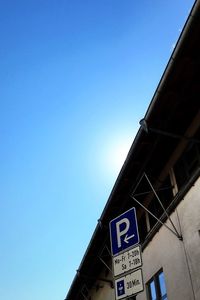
161 179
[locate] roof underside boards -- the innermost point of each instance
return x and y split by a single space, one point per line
175 104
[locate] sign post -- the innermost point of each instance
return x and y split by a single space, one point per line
126 253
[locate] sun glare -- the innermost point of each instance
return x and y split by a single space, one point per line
115 154
118 155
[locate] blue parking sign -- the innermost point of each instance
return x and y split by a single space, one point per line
124 231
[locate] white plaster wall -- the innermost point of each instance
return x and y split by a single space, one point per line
189 210
105 292
175 256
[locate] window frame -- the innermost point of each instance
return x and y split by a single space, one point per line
155 279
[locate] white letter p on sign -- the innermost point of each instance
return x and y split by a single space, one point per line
124 231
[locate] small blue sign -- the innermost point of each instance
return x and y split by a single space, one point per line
124 231
120 288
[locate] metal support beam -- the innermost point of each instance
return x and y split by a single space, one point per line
178 235
105 264
148 129
101 259
150 191
146 209
82 292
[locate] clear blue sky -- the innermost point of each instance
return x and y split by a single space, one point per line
76 76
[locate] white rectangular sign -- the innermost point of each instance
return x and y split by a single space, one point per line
129 285
127 261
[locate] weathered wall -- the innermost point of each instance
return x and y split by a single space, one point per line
105 290
180 260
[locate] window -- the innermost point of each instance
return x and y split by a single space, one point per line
144 194
156 288
187 164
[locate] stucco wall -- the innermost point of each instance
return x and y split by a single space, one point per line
180 260
105 290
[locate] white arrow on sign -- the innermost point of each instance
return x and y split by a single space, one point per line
127 238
